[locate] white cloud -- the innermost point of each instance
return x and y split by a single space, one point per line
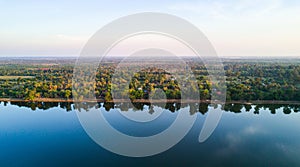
214 9
70 38
246 27
251 130
228 9
233 140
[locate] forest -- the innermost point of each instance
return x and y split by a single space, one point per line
246 80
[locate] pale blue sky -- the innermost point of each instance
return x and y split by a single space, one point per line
236 28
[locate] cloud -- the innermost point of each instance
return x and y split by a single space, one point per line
246 27
70 38
251 130
235 140
228 9
215 9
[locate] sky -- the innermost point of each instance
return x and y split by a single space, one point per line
234 27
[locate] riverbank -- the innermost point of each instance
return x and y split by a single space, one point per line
152 101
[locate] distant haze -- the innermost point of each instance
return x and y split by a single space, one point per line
267 28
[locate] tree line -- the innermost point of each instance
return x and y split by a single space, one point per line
244 80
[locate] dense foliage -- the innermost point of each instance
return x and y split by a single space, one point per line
256 80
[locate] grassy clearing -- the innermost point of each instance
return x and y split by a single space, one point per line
15 77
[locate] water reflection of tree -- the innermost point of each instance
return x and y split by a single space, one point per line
248 107
202 108
36 105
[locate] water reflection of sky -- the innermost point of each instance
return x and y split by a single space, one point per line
55 138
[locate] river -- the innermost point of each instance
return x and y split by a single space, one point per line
50 134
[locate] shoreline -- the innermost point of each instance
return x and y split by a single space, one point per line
153 101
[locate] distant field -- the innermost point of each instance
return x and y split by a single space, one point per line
15 77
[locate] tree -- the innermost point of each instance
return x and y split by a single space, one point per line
67 94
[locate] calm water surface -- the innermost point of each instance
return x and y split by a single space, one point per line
53 136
